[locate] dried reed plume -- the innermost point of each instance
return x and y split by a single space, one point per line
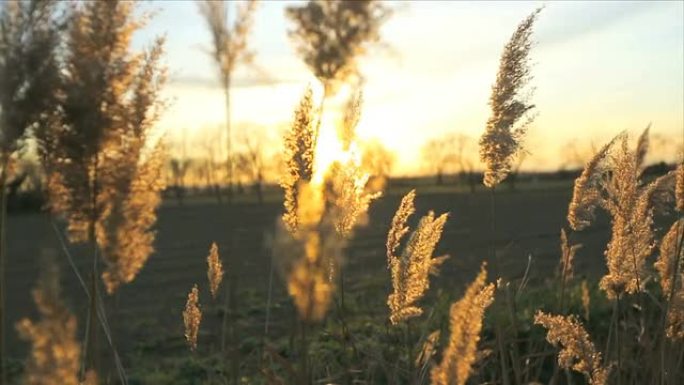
323 203
55 350
567 258
586 192
611 181
346 189
670 267
103 173
214 270
465 324
410 271
331 35
578 352
299 157
504 131
229 43
192 316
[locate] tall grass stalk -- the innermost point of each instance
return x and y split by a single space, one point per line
3 225
101 315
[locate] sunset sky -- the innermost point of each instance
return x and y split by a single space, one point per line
599 68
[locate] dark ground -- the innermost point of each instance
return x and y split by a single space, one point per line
146 314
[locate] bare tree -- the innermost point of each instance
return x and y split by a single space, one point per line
440 155
466 159
29 37
251 163
210 161
230 48
379 161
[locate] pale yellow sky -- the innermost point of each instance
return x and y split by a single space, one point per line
599 68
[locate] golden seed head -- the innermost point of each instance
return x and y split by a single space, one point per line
192 316
577 351
214 270
410 271
465 324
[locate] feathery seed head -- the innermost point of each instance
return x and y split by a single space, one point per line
192 316
670 267
104 175
410 271
577 352
504 131
299 158
586 192
465 324
398 227
214 270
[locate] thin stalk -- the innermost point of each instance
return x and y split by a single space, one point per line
229 141
617 342
227 83
101 315
3 222
515 353
304 375
228 328
409 353
502 353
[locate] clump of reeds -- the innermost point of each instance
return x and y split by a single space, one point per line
612 181
103 173
465 324
411 269
509 105
323 203
214 269
192 316
578 352
55 350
